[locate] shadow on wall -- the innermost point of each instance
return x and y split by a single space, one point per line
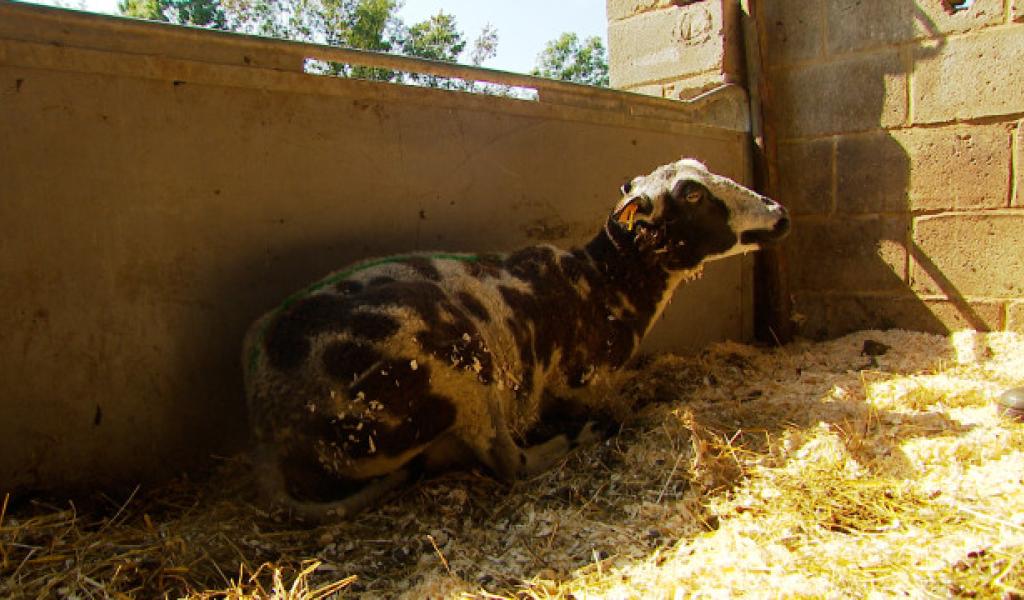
849 185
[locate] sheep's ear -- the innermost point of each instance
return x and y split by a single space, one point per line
627 210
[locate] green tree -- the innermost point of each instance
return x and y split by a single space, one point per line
568 59
201 13
360 24
437 38
485 46
373 25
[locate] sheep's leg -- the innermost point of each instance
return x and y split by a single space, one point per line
510 461
368 494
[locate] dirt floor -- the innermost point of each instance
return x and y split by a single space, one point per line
873 465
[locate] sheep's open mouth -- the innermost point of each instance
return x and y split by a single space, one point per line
765 237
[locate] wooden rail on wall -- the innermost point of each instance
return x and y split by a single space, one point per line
724 107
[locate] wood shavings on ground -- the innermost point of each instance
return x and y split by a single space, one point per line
869 466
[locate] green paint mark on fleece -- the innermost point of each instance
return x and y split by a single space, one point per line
254 352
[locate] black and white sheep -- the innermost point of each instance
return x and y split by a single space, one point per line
427 360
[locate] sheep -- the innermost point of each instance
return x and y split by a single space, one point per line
430 361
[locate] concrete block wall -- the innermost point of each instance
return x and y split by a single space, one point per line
673 48
898 150
895 138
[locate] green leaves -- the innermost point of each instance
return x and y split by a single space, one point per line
375 25
437 38
568 59
360 24
199 13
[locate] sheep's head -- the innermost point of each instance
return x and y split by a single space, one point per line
682 215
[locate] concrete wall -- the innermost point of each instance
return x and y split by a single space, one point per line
893 133
673 49
898 129
161 187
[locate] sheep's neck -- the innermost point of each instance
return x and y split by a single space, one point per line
637 280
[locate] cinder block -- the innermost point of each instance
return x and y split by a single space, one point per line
970 77
681 89
805 176
832 315
858 25
1015 316
794 30
969 255
935 17
982 315
648 89
854 25
864 254
677 41
621 9
695 85
910 312
872 172
860 93
958 167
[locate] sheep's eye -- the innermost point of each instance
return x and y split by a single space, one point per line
694 196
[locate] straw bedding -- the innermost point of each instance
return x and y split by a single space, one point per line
873 465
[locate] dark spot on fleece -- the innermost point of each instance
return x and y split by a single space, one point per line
523 307
400 393
446 326
591 332
381 280
431 416
306 478
423 297
423 266
349 287
485 265
389 383
460 346
372 326
474 306
287 338
344 361
703 229
532 264
548 306
624 270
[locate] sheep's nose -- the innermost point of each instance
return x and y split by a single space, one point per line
782 225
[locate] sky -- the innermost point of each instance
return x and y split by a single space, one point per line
524 26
